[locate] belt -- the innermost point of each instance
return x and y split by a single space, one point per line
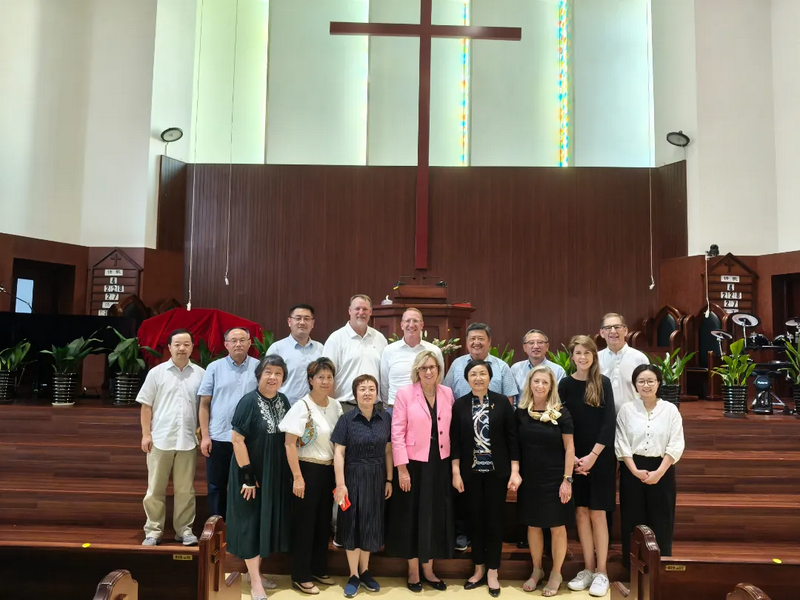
316 461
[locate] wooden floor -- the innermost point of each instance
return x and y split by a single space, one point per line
77 475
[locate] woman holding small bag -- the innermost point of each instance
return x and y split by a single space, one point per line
308 427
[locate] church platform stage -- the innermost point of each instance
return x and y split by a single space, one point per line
69 475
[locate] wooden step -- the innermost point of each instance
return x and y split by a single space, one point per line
754 472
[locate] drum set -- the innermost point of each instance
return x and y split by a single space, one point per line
764 373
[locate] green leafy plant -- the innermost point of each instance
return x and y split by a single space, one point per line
127 355
11 358
562 359
507 355
737 367
393 338
671 366
206 356
793 356
263 344
67 359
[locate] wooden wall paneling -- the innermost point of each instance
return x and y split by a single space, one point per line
173 189
768 266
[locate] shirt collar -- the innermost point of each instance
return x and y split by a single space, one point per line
172 365
621 352
234 365
352 332
375 413
310 342
402 339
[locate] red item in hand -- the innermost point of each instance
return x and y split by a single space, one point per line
344 505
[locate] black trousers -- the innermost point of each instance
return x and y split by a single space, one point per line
486 496
218 468
311 522
643 504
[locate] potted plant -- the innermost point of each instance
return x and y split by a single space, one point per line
507 355
263 344
127 357
671 366
793 373
734 373
66 361
10 361
206 356
563 360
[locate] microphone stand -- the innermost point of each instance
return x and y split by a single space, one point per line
7 293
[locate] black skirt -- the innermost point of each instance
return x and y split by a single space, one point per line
598 489
421 520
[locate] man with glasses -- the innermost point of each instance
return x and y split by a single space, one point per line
225 382
618 360
536 345
297 350
398 357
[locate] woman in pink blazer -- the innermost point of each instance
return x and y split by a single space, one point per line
421 512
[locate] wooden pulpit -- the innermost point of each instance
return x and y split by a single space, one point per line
442 320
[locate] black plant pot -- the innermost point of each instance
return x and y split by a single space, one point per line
8 386
126 387
734 399
671 393
796 397
65 386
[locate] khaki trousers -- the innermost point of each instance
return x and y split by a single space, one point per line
182 464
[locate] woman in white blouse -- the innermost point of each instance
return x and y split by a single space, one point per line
649 441
312 469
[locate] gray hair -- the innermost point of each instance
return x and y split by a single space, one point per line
532 331
271 360
479 327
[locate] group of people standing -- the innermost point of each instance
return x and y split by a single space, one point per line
378 439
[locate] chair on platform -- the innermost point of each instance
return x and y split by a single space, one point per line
746 591
117 585
699 372
131 307
661 333
165 306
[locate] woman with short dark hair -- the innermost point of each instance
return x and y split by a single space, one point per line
649 442
308 426
485 451
363 468
258 517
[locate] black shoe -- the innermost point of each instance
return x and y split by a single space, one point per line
494 592
437 585
471 585
523 545
414 587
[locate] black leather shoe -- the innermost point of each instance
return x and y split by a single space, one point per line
414 587
494 592
471 585
437 585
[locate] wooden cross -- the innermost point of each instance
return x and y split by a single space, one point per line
425 31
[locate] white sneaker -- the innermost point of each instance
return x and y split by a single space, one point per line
599 585
188 539
150 541
582 581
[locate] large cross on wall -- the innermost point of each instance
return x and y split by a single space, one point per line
425 31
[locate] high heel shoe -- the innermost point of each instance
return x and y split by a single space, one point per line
533 581
549 591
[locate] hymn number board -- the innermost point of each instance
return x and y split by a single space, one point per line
113 279
731 285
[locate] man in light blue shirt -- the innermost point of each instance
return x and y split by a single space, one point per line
536 345
297 350
225 382
479 342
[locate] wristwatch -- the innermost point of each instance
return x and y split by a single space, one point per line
568 478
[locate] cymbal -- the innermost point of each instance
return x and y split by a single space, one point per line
793 322
745 320
721 335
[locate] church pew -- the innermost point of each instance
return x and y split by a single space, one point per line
165 572
117 585
746 591
654 577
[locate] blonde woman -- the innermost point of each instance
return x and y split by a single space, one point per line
547 458
589 397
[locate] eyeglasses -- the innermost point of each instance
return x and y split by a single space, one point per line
302 319
536 343
614 327
650 382
428 368
238 342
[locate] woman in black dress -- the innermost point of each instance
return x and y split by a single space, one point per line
590 400
259 486
547 458
485 451
362 463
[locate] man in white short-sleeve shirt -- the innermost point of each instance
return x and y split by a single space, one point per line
398 356
169 420
355 350
618 360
